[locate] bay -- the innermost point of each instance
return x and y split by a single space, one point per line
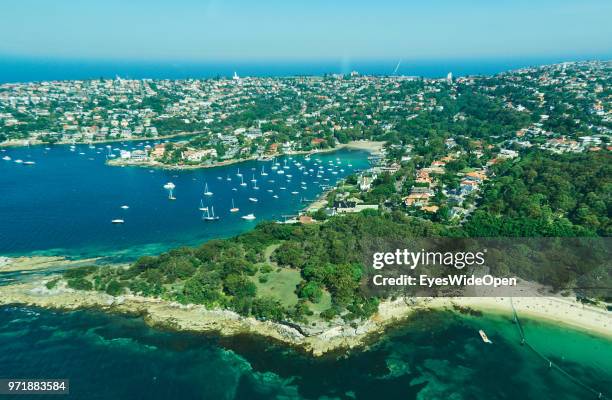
64 204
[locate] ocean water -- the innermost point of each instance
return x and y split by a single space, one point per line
64 204
433 356
18 69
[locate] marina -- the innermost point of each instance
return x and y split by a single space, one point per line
160 209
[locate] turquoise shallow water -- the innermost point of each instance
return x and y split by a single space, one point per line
65 203
433 356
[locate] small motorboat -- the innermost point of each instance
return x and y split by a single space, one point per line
484 337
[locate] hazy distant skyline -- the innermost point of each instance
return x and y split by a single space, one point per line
268 30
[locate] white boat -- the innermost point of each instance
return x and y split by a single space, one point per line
6 158
238 173
170 187
19 161
202 208
484 337
255 187
263 171
294 192
117 221
206 191
242 183
275 196
248 217
125 207
280 171
253 199
289 176
253 179
210 215
234 208
29 163
228 178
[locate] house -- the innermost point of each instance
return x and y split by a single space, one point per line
305 219
273 148
507 153
317 141
158 151
138 155
365 182
199 155
418 196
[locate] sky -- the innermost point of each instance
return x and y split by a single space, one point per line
293 30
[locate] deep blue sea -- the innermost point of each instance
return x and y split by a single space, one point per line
15 69
64 204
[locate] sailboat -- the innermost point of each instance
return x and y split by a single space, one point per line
170 186
263 171
248 217
253 179
210 215
255 185
234 208
206 191
242 183
202 208
238 173
286 166
274 164
228 178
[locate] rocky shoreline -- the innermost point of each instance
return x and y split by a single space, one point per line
337 337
